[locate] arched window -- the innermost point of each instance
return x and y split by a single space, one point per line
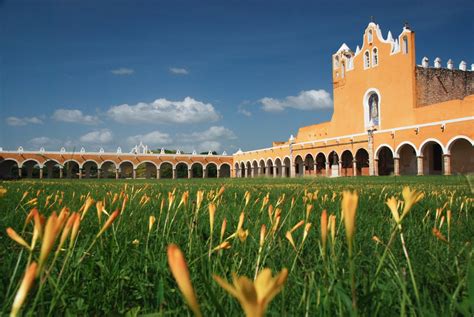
366 59
370 36
405 45
375 57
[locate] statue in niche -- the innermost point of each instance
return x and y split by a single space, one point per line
374 110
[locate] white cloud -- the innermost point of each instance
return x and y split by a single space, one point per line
306 100
208 140
153 139
74 116
97 137
16 121
164 111
179 71
44 141
122 71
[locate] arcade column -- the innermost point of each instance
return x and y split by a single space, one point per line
419 165
447 164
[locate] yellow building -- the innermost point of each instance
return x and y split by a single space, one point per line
391 116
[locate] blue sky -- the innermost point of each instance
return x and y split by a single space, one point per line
204 75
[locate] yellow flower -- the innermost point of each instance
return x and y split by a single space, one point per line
151 221
254 297
212 213
263 232
392 203
136 242
289 237
223 246
180 272
3 191
411 197
242 234
349 208
332 227
25 286
199 198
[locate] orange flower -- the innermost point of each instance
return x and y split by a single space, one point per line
180 272
263 231
151 221
439 235
223 246
17 238
332 227
289 237
109 222
75 229
87 204
49 237
223 227
25 287
307 227
299 224
324 229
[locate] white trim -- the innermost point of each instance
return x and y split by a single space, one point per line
71 160
89 160
458 137
225 163
107 161
397 150
431 140
146 161
11 159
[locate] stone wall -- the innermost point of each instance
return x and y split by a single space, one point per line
434 85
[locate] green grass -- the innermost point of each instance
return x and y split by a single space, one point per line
118 276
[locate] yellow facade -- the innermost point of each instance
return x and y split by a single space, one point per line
391 116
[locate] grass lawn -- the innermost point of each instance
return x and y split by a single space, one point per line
422 267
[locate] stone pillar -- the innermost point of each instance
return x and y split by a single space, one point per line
292 169
354 167
117 173
61 172
157 173
204 173
80 173
252 172
98 173
375 167
339 167
19 172
175 174
41 172
134 173
396 166
275 171
447 164
190 173
218 172
327 169
267 172
419 165
283 171
373 164
259 171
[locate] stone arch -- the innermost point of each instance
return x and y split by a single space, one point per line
52 169
386 146
146 169
90 169
108 169
269 171
406 153
384 160
299 166
9 169
31 168
166 169
182 170
224 170
126 169
278 165
263 169
461 155
243 172
71 169
432 151
248 168
287 166
237 169
320 163
197 170
346 163
362 162
454 139
309 165
255 168
211 170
